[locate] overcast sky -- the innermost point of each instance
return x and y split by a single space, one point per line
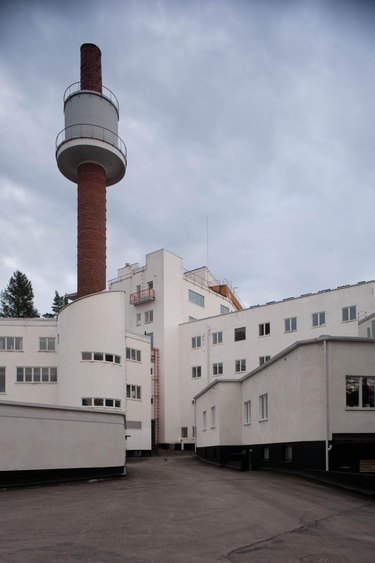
258 115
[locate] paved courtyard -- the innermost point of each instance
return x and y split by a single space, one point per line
173 508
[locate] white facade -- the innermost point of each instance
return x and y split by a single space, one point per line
161 296
82 359
302 397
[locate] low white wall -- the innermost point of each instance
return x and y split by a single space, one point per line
36 437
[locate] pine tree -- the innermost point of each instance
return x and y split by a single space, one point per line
59 301
17 299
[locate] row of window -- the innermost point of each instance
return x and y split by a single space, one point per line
35 375
133 354
213 418
100 402
263 409
100 357
290 325
217 368
185 432
147 315
15 344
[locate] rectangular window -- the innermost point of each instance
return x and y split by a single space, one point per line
98 402
265 453
213 417
86 401
196 372
204 420
98 356
290 324
217 369
150 284
133 392
264 329
133 354
240 365
224 310
2 379
149 316
11 343
240 334
193 431
288 454
36 375
319 319
247 412
47 344
184 432
263 407
217 338
349 313
86 355
264 359
196 298
360 391
196 342
139 319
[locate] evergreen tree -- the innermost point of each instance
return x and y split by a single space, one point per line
17 299
59 301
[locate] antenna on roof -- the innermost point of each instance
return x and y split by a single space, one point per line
207 241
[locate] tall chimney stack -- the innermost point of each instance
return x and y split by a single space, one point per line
90 153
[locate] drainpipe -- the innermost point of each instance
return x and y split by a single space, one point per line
326 374
195 426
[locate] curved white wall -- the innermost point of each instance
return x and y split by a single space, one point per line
95 323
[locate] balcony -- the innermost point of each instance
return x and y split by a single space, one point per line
142 296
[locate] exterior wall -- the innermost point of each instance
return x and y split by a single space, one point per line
138 411
170 308
30 330
255 346
366 326
38 437
92 324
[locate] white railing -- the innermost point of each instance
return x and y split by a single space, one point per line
89 131
106 92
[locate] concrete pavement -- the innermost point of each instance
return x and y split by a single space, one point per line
173 508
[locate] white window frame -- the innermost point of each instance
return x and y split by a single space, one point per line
47 344
263 360
184 432
134 392
217 337
263 407
319 318
133 354
290 324
247 412
196 372
213 416
196 298
36 374
360 379
350 312
149 316
139 319
196 342
217 368
240 365
264 329
11 343
204 420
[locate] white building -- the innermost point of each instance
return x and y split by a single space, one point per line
310 407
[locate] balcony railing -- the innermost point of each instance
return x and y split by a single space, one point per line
142 296
106 93
90 131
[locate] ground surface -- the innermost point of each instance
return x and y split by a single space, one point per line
173 508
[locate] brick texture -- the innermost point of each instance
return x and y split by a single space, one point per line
91 229
91 67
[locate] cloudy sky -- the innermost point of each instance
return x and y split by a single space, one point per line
255 118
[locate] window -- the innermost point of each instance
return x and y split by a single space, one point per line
264 329
319 319
149 316
150 284
191 319
139 319
196 372
247 412
217 369
184 432
196 298
36 375
217 338
133 392
288 453
47 344
2 379
134 424
213 417
240 365
263 407
360 391
290 324
196 342
240 334
204 420
10 343
138 288
193 431
265 453
100 357
151 335
224 310
264 359
86 401
133 354
349 313
101 402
